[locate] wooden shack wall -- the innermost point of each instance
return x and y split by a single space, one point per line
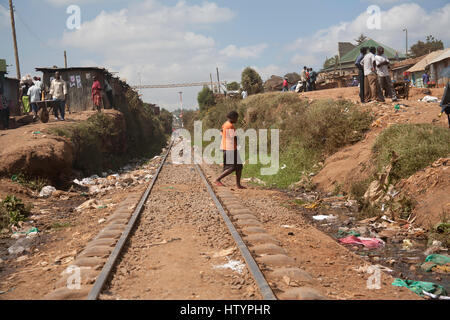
11 92
79 84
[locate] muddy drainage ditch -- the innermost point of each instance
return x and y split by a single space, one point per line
397 247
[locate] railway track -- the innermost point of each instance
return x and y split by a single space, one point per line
183 240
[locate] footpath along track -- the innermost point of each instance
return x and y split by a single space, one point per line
179 240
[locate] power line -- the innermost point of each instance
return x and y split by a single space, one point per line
30 30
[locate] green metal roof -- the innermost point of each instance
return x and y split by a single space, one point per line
3 65
388 51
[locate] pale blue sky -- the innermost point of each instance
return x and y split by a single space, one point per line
175 41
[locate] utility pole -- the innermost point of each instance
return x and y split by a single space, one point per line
65 59
406 29
181 115
212 86
13 27
218 79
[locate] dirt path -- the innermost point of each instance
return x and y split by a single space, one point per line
178 248
332 266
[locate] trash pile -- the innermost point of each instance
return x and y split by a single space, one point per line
128 176
430 99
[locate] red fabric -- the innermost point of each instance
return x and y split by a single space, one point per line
369 243
96 89
285 83
97 100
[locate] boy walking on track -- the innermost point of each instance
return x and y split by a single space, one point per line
231 160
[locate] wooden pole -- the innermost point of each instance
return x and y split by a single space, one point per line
13 27
212 86
218 79
65 59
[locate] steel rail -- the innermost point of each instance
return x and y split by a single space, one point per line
108 267
264 287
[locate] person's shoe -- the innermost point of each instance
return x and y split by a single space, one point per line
56 119
394 100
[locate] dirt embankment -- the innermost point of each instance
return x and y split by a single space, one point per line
88 143
429 187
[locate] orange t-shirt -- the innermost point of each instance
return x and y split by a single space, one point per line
228 134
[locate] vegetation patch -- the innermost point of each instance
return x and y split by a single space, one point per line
13 211
308 131
106 141
416 145
33 183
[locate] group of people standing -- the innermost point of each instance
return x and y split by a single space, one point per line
308 78
32 92
374 77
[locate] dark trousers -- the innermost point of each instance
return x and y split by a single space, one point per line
232 161
305 88
361 85
313 86
4 116
61 107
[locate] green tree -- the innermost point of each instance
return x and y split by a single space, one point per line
251 81
233 86
422 48
361 39
206 99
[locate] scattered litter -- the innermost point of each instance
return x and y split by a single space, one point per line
234 265
365 268
101 221
47 191
435 297
342 233
90 204
283 167
312 206
323 217
407 245
367 242
419 287
224 253
436 260
20 246
429 99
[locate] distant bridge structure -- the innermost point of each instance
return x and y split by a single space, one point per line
180 85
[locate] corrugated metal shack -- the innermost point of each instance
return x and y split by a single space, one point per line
9 87
79 82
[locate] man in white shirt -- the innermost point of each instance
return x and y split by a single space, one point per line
304 78
35 96
371 85
384 78
58 91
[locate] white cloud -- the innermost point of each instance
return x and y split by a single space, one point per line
155 43
233 51
60 3
419 22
